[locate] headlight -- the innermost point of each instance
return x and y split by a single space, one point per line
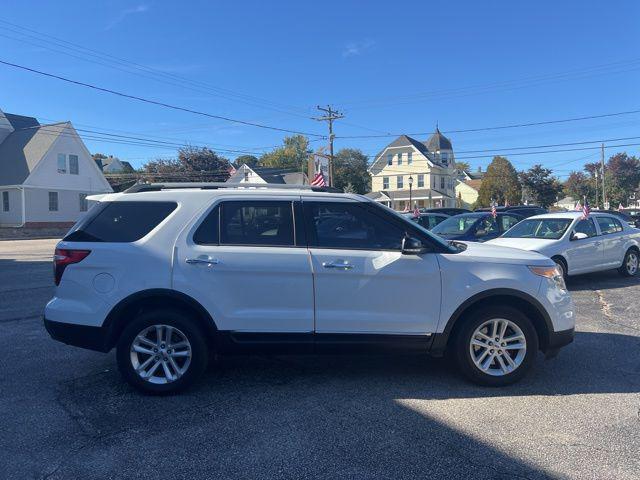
552 273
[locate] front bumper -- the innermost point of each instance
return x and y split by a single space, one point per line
557 340
92 338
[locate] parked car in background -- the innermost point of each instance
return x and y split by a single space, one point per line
576 244
426 220
446 210
524 211
634 213
476 226
171 274
624 216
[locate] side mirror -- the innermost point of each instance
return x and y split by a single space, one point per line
412 246
578 236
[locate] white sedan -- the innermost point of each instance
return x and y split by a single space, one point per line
578 245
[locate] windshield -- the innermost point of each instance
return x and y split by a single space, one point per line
545 228
458 225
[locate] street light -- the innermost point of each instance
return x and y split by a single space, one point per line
410 192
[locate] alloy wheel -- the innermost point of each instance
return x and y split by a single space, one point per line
160 354
632 263
498 347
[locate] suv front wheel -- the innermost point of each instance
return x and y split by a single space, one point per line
162 352
496 346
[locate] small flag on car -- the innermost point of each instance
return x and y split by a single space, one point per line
494 212
578 207
318 180
585 209
620 208
416 213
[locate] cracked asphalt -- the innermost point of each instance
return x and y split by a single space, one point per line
67 414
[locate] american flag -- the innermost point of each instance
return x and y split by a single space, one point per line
585 209
416 213
620 208
578 207
318 180
494 212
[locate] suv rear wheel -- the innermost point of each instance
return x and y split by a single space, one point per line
496 346
162 352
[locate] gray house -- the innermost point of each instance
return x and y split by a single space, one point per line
46 173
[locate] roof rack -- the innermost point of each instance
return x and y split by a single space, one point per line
156 187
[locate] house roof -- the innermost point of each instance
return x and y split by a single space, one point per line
276 175
475 184
23 148
438 141
404 194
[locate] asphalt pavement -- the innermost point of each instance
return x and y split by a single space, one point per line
67 414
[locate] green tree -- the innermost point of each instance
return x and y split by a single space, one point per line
192 165
578 185
500 183
293 154
248 160
462 166
622 176
542 187
350 171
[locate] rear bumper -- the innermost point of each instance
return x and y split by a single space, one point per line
92 338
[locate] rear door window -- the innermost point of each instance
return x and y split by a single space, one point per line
264 223
120 222
609 225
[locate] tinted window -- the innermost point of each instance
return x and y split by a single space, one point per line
609 225
257 223
487 226
457 225
348 225
120 221
507 221
547 228
208 231
587 227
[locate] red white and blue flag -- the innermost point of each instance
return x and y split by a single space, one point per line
494 212
620 208
318 180
578 207
585 209
416 213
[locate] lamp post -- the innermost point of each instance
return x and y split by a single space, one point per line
410 192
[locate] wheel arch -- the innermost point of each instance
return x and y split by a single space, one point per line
524 302
562 258
154 298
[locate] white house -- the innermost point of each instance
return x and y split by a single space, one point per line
113 165
46 173
246 174
408 170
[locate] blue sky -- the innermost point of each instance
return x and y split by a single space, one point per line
392 67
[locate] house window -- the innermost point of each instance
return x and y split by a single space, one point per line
73 164
433 181
5 201
385 183
389 159
400 158
420 181
53 201
400 182
444 157
82 197
246 176
62 163
442 182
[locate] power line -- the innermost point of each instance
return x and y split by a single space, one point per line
501 127
148 72
154 102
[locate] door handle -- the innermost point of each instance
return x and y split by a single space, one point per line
206 261
339 264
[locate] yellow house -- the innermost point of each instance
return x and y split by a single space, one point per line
467 192
408 173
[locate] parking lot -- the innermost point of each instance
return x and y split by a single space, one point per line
66 413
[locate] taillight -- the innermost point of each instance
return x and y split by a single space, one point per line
64 257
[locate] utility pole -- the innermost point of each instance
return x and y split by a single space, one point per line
604 197
330 116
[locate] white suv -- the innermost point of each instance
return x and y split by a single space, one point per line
171 274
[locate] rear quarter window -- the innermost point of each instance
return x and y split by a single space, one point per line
120 222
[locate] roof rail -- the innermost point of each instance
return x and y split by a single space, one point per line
156 187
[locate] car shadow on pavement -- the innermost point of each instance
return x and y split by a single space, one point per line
607 280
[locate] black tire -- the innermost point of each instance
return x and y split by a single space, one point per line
462 345
627 269
186 326
562 265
